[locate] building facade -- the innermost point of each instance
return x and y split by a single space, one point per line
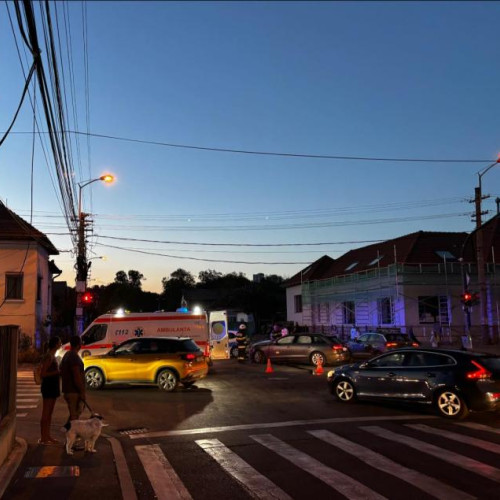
26 277
413 282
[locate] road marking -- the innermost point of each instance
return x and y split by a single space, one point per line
21 415
272 425
21 400
467 463
426 483
257 485
337 480
24 407
479 427
126 484
479 443
163 479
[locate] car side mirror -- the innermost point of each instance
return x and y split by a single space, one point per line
366 365
112 353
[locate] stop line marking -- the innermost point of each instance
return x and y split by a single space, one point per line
271 425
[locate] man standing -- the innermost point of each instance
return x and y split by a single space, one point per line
241 340
73 379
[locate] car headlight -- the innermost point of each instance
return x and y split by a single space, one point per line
331 373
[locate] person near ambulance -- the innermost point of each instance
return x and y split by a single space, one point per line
241 341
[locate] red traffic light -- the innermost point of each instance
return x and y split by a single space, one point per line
467 297
87 298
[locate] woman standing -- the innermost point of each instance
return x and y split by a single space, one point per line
50 390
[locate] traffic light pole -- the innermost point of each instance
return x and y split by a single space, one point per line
81 273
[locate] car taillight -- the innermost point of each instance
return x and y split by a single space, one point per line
337 347
391 344
189 357
479 374
493 396
414 344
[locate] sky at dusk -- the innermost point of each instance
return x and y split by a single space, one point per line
415 80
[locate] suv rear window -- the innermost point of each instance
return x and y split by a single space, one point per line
396 337
187 345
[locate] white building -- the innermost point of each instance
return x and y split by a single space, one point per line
415 281
26 276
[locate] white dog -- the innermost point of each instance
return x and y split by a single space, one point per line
89 430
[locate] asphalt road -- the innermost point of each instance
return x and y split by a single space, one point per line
242 433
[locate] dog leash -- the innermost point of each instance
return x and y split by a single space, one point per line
87 405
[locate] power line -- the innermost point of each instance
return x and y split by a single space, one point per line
199 259
272 153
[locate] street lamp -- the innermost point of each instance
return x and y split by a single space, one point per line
82 265
481 274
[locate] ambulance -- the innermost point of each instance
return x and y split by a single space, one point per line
109 330
222 325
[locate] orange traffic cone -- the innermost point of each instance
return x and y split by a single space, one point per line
319 368
269 368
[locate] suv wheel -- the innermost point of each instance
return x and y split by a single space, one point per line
167 380
94 378
258 357
451 405
344 391
318 357
234 352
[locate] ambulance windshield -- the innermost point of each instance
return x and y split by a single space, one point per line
94 334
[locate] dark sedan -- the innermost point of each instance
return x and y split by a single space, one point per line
372 343
454 382
310 348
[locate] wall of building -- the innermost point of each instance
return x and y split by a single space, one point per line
28 313
291 315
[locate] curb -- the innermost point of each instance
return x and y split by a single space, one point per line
11 463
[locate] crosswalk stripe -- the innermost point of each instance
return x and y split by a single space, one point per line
22 400
257 485
164 480
21 414
425 483
479 427
23 407
467 463
337 480
479 443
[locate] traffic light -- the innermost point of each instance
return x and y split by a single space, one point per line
87 298
470 298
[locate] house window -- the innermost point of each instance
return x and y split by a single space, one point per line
433 309
386 311
348 312
13 286
298 303
376 260
39 289
444 254
351 266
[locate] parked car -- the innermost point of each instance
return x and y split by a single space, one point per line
310 348
162 361
454 382
370 344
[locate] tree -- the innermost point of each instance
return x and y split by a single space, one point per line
121 278
173 288
134 278
208 277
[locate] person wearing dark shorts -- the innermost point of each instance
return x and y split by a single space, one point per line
50 389
73 379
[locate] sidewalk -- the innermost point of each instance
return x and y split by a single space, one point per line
47 472
37 471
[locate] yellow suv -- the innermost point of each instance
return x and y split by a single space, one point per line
149 360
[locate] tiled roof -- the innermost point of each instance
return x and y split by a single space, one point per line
416 248
13 228
310 273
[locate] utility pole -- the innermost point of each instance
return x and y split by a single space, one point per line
481 274
81 272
